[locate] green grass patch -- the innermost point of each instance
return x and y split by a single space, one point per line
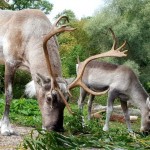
87 136
78 134
23 112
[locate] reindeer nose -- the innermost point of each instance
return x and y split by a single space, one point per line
145 131
55 128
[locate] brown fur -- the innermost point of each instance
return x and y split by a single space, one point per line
21 45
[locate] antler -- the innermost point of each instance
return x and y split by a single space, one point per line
111 53
55 30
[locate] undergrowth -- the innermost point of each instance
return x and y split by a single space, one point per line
79 132
86 135
23 112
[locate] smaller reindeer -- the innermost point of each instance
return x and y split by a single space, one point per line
122 83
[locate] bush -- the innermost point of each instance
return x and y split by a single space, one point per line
145 77
23 111
133 65
92 137
69 60
20 80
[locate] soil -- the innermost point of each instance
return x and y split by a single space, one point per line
13 141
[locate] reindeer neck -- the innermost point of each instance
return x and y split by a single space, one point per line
139 94
37 62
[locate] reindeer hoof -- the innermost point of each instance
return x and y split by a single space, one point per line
105 128
8 132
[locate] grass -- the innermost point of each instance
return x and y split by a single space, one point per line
23 112
78 134
88 136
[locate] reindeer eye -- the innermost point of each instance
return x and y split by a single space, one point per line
48 99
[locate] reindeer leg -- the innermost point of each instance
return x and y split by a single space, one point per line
9 76
91 98
126 114
81 99
111 97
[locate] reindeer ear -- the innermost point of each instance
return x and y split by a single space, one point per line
148 102
42 80
69 80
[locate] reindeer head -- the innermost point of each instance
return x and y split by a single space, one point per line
53 92
50 102
145 118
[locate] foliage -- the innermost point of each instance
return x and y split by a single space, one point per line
4 5
88 136
126 18
23 112
80 34
80 133
67 43
69 13
145 71
134 66
130 21
70 62
44 5
78 127
21 79
73 45
69 51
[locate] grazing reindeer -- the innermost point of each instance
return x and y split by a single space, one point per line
122 83
23 34
24 41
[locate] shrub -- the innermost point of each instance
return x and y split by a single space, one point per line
92 138
69 60
133 65
20 80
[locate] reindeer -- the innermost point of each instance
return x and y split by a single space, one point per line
27 39
22 37
122 83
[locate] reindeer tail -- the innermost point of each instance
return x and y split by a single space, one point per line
30 89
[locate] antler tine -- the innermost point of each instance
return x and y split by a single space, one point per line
114 47
122 46
54 29
58 19
65 102
110 53
115 39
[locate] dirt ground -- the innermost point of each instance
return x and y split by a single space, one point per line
12 142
